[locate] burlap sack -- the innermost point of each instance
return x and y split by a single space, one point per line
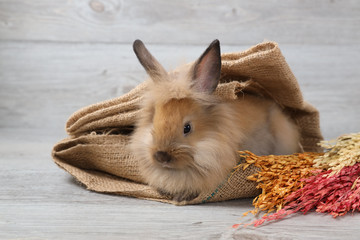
97 155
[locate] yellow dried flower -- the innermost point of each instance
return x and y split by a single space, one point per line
342 152
279 176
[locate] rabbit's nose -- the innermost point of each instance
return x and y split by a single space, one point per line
162 157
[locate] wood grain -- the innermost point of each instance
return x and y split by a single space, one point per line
181 22
43 83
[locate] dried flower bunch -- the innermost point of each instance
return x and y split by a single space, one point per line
279 177
337 194
345 151
327 183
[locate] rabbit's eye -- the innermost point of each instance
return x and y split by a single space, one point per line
187 128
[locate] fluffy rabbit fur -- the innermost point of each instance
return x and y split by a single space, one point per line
186 139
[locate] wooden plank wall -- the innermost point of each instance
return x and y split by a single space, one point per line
58 56
181 22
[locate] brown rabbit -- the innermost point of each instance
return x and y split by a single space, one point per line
186 138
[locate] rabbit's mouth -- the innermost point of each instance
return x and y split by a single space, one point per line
167 165
175 159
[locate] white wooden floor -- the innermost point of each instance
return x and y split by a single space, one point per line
58 56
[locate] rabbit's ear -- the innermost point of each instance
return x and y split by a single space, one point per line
151 65
206 70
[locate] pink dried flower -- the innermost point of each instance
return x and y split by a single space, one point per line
335 194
